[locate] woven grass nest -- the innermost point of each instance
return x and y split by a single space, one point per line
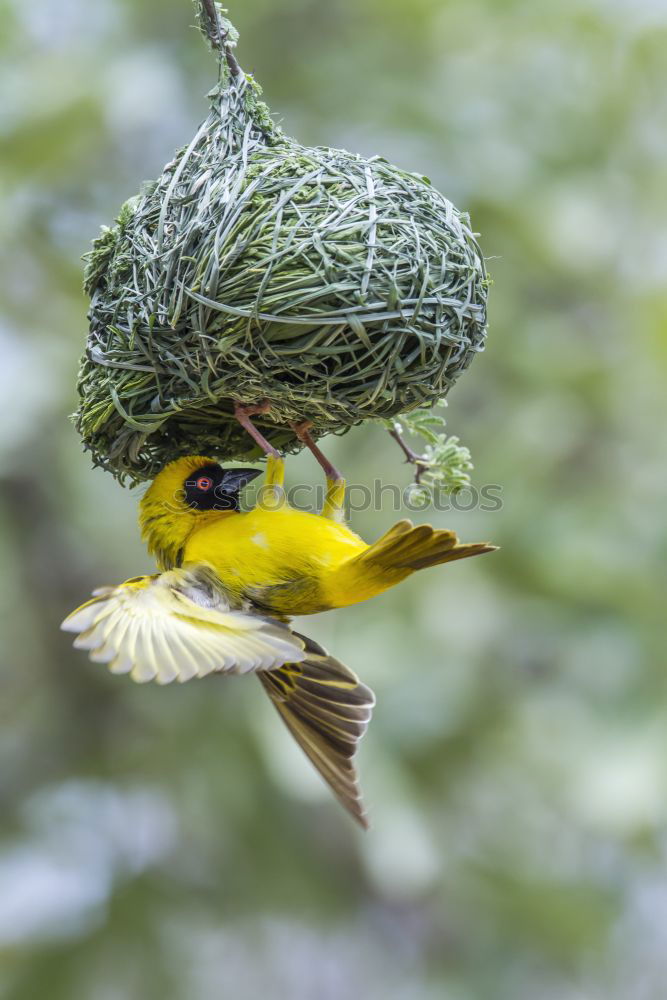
336 287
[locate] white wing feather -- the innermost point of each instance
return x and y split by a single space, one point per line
167 628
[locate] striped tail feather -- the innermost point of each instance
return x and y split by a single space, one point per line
405 547
327 710
398 553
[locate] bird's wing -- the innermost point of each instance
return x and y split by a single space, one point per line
327 709
175 626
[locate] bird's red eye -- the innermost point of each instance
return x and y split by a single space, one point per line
204 483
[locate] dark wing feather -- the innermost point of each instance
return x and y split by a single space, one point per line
327 710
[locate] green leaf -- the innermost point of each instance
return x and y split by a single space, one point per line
443 463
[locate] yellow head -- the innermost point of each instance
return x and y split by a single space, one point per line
184 495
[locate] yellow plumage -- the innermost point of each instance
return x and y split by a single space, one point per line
229 584
289 562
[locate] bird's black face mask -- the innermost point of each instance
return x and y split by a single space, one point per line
213 488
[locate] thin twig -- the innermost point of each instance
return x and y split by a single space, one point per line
410 456
218 36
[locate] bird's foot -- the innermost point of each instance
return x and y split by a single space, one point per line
243 413
301 430
251 409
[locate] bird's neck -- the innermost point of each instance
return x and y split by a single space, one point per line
166 531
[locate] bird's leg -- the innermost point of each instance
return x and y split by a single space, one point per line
302 431
274 494
275 471
243 415
334 501
275 463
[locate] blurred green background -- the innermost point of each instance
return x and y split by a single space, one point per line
171 843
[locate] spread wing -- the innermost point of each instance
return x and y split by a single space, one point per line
327 710
175 626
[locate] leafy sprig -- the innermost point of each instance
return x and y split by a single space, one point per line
442 464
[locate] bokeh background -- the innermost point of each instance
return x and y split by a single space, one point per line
171 843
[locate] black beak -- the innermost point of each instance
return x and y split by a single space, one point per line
234 480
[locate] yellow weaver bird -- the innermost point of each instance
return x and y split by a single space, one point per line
230 583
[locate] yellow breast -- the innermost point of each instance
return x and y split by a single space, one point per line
264 548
